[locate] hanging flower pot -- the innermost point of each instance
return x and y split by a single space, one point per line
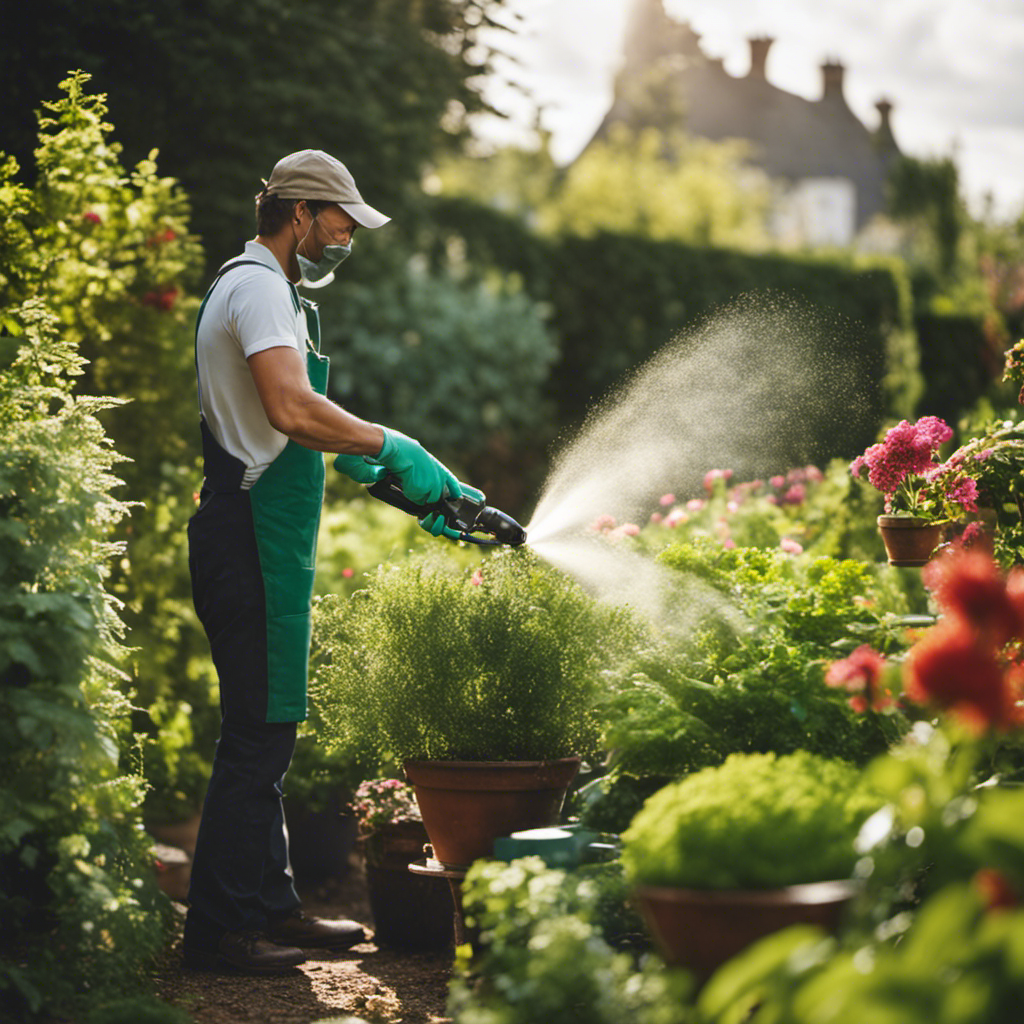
466 805
909 540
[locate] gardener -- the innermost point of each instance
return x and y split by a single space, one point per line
265 421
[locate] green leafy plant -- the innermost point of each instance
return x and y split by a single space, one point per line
80 914
427 662
757 821
541 954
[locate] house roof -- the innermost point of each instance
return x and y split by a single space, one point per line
791 137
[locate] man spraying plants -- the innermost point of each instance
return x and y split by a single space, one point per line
265 422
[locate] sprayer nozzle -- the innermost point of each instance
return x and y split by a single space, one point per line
502 526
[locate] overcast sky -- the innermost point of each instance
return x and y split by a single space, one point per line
954 69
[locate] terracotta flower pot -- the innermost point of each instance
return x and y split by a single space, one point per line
700 929
909 541
466 805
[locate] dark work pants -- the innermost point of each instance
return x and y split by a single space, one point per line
241 874
240 871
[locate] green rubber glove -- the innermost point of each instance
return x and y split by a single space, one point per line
424 479
435 525
360 468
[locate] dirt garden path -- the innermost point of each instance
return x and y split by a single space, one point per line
379 985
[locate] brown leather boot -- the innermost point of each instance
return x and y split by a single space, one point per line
246 951
302 929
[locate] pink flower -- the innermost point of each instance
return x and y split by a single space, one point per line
675 517
655 517
790 546
477 578
667 499
813 474
795 495
733 506
982 456
908 449
630 529
965 494
778 482
695 504
861 674
728 543
603 523
92 218
347 573
715 474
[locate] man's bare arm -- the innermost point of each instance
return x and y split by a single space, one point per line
309 419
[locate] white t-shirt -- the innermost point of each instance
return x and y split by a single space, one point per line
249 310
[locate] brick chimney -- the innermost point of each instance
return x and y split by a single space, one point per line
884 137
759 47
832 79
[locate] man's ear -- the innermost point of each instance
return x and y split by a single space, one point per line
298 209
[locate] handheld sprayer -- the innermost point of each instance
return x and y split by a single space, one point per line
464 514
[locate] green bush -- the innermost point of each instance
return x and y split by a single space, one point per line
541 955
748 674
426 662
79 908
756 822
617 299
449 362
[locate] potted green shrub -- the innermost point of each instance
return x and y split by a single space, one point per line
482 686
734 852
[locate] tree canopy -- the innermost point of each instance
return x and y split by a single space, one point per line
223 88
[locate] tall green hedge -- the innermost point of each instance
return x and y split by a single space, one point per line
80 913
616 300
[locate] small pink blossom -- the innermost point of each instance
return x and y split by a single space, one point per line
965 494
733 506
791 546
982 456
656 517
695 504
795 495
477 578
603 523
675 517
778 482
630 529
728 543
347 573
715 474
92 218
813 474
667 499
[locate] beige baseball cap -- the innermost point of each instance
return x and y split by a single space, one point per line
314 174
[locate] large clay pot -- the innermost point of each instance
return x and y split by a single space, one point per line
466 805
700 929
409 911
909 541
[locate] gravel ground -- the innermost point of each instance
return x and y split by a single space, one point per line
379 985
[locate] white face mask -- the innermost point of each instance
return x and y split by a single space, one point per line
320 273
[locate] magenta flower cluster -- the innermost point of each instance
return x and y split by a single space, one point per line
909 449
379 802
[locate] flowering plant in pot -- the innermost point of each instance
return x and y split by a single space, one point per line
447 672
734 852
922 493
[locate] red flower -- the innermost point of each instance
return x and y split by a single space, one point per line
162 298
92 218
995 889
861 673
952 670
970 585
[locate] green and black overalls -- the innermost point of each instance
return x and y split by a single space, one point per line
251 559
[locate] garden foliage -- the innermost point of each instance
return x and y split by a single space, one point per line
426 662
617 298
115 259
748 823
545 952
79 909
